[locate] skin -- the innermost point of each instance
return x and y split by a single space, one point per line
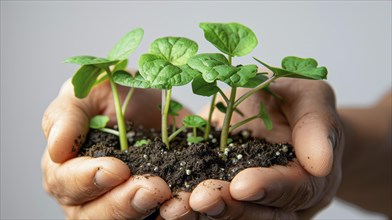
307 119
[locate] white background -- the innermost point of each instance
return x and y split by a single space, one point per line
351 38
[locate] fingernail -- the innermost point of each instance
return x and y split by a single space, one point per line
218 209
105 179
144 201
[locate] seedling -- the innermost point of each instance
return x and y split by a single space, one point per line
234 39
94 70
162 68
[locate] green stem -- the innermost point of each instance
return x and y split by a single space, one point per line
167 97
223 95
226 122
119 115
173 135
254 90
127 99
194 132
208 125
232 128
110 131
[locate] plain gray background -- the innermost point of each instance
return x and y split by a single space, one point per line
353 39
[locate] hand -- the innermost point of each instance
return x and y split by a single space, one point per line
306 118
94 188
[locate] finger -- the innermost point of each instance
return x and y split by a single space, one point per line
178 207
82 179
65 124
312 116
212 197
135 199
287 187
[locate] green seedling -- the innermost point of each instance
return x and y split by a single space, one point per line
191 121
95 70
99 122
236 40
142 142
164 66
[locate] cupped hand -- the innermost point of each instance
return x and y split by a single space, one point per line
305 117
96 188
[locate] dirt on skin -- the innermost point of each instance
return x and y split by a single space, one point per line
184 165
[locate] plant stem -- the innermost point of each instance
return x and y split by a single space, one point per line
208 125
226 122
127 99
254 90
173 135
194 132
223 95
110 131
165 108
119 114
243 122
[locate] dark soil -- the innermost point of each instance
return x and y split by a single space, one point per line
185 165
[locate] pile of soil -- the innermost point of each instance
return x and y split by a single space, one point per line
185 165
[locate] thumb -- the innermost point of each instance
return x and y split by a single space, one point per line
65 124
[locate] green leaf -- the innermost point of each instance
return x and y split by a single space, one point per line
140 143
98 121
255 81
90 60
222 108
124 78
126 45
295 67
194 140
84 80
263 114
162 74
215 66
194 121
233 39
176 50
121 65
201 87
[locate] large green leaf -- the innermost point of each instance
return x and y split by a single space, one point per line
124 78
214 66
203 88
126 45
296 67
90 60
194 121
176 50
255 81
84 80
161 74
233 39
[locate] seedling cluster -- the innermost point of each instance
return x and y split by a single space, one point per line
174 61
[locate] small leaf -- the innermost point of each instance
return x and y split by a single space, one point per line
176 50
194 121
162 74
91 60
263 114
126 45
120 65
215 66
229 140
84 80
233 39
194 140
295 67
222 108
124 78
201 87
140 143
98 121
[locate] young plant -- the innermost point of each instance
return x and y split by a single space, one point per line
164 66
94 70
191 121
234 39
